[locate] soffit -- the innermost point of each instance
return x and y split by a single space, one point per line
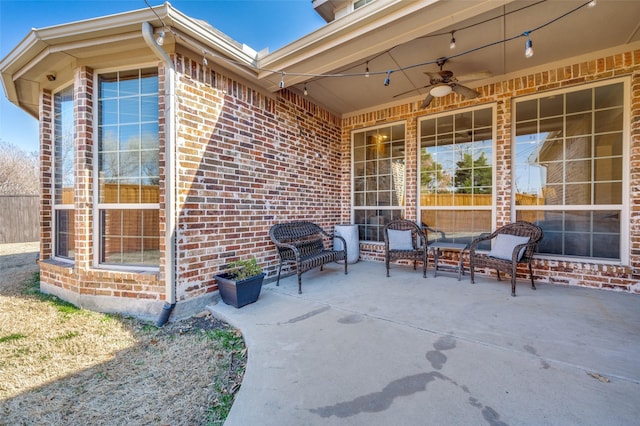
422 36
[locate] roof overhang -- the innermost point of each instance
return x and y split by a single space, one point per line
392 34
48 56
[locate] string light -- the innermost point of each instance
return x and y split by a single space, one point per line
452 43
160 39
528 46
387 80
306 92
204 59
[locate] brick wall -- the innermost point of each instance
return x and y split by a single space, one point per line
589 274
246 161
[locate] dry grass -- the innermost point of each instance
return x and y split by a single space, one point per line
63 365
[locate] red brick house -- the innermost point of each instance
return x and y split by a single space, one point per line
163 162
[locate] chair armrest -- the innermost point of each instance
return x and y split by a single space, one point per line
426 229
478 240
284 246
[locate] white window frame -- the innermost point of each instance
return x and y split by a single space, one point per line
99 207
56 207
626 174
353 177
494 145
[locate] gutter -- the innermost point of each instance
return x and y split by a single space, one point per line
170 187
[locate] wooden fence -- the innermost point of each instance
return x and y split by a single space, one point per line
19 218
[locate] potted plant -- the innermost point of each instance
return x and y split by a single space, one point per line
241 283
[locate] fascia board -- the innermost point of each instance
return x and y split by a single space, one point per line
215 40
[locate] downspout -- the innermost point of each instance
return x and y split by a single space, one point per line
170 148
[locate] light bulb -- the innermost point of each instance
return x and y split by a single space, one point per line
592 3
306 92
366 74
282 81
528 48
452 43
204 59
160 39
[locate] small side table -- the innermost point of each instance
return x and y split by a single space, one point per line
436 248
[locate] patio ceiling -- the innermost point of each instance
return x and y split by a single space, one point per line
395 35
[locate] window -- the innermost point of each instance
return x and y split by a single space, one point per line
378 179
456 173
63 158
569 171
128 168
359 3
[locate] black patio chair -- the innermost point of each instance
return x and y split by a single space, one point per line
403 239
515 244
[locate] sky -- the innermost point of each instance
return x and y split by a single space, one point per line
259 24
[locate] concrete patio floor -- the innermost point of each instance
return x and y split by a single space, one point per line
364 349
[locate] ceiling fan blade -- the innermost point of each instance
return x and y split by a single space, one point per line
474 76
413 90
434 77
464 91
427 101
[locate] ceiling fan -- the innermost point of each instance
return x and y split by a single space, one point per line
444 82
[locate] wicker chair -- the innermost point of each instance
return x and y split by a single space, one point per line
510 253
398 245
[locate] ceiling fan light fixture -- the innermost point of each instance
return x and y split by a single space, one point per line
440 90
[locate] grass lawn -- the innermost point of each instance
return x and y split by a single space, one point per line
63 365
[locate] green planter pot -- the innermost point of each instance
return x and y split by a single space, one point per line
239 293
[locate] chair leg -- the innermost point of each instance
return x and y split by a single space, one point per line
424 267
345 266
471 269
498 273
533 284
386 261
279 270
299 282
513 286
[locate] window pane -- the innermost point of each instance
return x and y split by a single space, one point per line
609 120
608 193
551 106
458 226
578 124
579 101
130 237
577 233
64 149
65 235
609 96
608 145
